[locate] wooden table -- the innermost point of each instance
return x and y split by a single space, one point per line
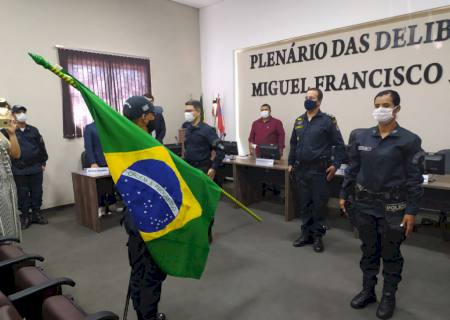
85 190
248 177
436 197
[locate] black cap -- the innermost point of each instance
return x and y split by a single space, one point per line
18 108
136 106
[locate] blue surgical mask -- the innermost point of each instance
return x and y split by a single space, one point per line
310 104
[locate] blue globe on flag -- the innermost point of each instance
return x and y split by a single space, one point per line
151 191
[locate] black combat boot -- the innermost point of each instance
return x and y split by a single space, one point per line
364 298
37 217
25 221
303 240
387 306
318 244
159 316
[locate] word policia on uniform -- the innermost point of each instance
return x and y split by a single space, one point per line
433 32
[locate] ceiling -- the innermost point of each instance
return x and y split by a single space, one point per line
198 3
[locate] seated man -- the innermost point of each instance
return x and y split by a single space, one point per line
266 130
95 159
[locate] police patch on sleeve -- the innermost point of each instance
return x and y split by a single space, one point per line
333 120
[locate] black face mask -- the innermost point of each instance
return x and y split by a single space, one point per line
151 126
310 104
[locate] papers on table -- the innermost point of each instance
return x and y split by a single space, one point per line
265 162
93 172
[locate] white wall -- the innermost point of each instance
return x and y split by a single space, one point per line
164 31
236 24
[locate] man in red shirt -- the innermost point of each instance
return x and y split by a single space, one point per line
266 130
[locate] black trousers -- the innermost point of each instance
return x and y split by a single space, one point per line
314 193
105 192
146 277
29 192
381 238
205 166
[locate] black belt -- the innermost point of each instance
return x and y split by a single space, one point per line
320 164
390 194
202 163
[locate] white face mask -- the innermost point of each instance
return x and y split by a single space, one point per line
264 114
21 117
383 115
189 116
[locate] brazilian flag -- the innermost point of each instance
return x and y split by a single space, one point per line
171 202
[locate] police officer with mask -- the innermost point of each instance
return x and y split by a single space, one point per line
200 140
387 187
159 124
146 277
313 136
29 169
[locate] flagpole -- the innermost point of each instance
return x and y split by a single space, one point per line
53 68
240 205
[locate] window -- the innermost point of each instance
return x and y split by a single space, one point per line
113 78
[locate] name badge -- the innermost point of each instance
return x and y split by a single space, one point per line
394 207
364 148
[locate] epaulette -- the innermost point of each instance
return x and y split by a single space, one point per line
333 118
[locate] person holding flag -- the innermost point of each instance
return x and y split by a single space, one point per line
146 277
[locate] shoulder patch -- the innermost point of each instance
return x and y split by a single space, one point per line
333 118
299 118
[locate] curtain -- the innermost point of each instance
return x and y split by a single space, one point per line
113 78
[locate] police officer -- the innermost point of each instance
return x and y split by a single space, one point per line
313 136
200 140
387 187
28 169
146 277
159 124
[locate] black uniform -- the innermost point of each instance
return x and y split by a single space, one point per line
310 154
386 184
146 277
27 170
199 142
159 126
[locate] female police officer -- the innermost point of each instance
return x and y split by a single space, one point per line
387 188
